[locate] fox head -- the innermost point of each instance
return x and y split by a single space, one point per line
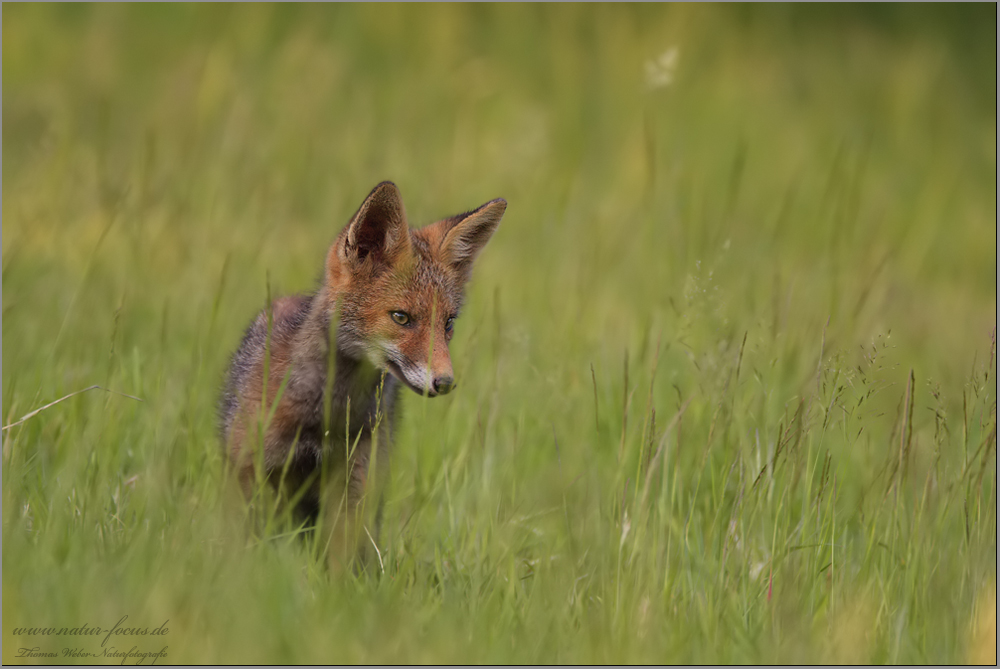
400 290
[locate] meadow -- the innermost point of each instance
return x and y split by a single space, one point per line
727 371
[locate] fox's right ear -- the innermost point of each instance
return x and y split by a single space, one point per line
378 232
465 235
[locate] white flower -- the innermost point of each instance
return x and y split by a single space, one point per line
626 526
660 72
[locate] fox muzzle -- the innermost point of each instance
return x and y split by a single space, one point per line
443 385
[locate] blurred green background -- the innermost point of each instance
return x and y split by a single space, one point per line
727 369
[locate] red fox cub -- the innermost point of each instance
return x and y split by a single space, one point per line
310 396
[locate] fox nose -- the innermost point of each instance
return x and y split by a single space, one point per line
444 385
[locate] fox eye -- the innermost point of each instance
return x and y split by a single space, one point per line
449 324
401 317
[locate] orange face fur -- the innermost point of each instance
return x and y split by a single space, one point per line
400 290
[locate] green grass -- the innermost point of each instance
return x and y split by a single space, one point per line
727 370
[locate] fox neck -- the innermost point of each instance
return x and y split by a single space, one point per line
361 395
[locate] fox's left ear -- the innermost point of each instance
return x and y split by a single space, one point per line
465 235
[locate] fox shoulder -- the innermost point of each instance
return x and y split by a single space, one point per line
287 314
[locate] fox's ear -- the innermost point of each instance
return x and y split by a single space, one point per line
378 232
465 235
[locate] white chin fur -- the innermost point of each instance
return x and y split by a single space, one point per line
417 376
